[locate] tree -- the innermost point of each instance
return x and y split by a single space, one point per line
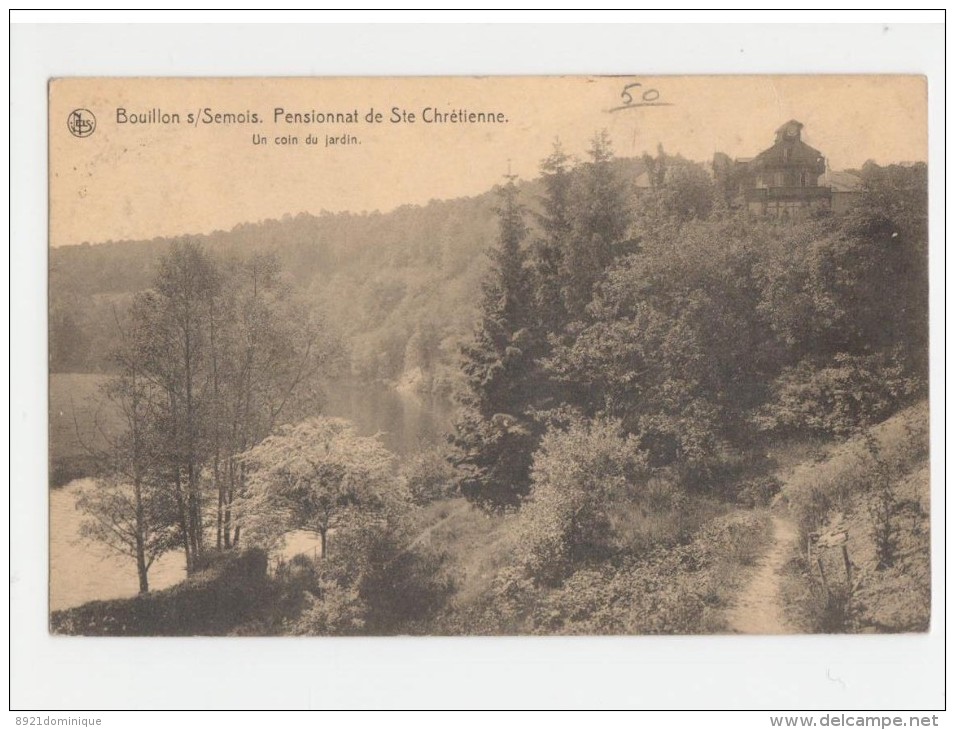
494 435
879 248
674 345
131 520
267 354
428 474
846 297
227 351
551 245
172 343
680 190
601 219
399 580
128 510
318 475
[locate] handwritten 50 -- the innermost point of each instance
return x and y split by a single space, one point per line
634 95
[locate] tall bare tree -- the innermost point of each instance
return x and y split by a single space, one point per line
215 356
127 509
270 355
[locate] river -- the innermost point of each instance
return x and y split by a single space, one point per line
82 572
405 422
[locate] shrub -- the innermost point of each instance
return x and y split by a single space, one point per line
838 397
821 607
580 479
883 505
334 610
662 593
758 491
400 583
429 475
506 607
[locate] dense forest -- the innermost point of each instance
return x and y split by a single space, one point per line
634 370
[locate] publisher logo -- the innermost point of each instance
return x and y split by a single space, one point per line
81 122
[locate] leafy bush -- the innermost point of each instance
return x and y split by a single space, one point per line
429 475
839 397
404 587
334 610
666 591
581 477
635 601
758 491
508 605
377 581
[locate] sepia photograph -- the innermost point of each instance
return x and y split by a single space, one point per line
430 361
488 356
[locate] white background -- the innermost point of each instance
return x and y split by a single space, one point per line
792 673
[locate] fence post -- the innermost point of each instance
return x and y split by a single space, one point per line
845 560
822 574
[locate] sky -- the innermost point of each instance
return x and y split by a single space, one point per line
144 180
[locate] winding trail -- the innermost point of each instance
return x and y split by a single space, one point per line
759 608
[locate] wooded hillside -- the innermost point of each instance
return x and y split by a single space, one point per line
401 288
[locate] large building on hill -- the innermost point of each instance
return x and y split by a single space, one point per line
788 180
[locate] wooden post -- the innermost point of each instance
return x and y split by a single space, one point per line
845 561
822 574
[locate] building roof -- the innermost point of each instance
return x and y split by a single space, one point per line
791 125
788 153
841 181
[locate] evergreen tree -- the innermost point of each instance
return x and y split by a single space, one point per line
494 435
556 223
600 225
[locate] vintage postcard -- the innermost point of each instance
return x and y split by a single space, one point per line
488 356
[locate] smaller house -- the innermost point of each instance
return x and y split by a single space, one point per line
844 188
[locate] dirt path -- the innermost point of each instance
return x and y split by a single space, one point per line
759 608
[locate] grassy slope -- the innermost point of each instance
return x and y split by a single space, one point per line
478 544
669 588
833 497
827 488
210 603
